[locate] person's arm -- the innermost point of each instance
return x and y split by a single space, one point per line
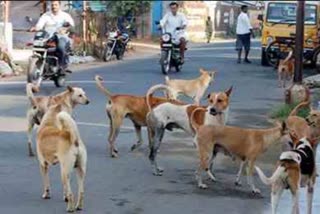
164 20
40 24
184 21
248 23
69 19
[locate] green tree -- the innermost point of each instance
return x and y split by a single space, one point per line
116 9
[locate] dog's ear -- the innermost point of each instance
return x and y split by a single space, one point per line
69 88
213 74
228 92
202 71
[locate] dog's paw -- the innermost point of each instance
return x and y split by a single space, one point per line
256 191
46 195
202 186
238 183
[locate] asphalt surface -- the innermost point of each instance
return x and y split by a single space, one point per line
126 185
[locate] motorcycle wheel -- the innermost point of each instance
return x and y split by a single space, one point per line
178 68
32 75
107 54
59 81
165 65
120 53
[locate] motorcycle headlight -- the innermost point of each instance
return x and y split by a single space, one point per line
165 37
309 41
269 40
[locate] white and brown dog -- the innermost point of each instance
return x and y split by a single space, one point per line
167 116
195 88
71 97
295 169
59 141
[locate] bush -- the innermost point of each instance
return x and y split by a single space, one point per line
282 112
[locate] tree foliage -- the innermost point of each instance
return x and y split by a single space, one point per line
125 8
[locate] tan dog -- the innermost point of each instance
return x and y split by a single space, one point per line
192 88
58 141
120 106
285 69
246 144
39 106
167 116
295 169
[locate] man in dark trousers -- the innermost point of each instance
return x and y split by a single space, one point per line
244 32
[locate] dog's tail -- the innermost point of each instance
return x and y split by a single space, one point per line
29 89
66 123
155 88
289 56
167 79
273 178
296 109
99 80
193 122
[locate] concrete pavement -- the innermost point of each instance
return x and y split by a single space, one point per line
126 185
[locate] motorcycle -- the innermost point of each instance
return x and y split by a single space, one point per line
44 64
170 50
116 45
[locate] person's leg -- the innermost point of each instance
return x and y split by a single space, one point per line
63 43
183 44
247 48
239 47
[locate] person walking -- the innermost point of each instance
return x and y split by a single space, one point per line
209 29
244 32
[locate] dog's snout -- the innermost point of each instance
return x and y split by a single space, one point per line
213 111
87 102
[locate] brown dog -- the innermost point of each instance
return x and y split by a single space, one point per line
71 97
285 69
246 144
192 88
295 169
120 106
58 141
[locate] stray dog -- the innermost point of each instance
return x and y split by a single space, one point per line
285 69
295 169
59 141
39 106
120 106
192 88
168 116
246 144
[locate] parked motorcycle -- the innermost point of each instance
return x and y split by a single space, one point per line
44 64
116 45
170 51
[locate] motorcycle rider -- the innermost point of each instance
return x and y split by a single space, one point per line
53 21
173 21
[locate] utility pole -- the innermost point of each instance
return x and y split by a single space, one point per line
84 27
298 55
298 92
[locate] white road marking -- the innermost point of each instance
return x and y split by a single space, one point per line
71 82
103 125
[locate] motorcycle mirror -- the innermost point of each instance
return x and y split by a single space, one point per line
29 19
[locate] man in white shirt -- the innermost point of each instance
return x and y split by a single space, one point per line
174 21
244 31
53 21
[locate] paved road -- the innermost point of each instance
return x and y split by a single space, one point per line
126 185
